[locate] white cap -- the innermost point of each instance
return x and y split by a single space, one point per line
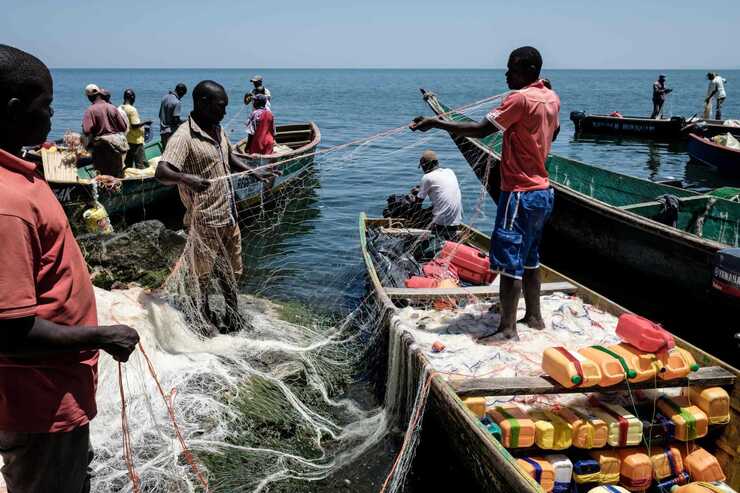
91 90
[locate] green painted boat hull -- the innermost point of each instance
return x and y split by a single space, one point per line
611 221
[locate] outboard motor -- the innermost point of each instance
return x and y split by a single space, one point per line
576 117
726 275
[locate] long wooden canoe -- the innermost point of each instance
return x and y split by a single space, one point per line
667 129
613 220
301 138
725 159
484 458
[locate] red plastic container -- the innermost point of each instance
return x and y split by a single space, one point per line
472 264
421 282
644 334
440 269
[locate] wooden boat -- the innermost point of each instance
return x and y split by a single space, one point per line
664 128
725 159
136 194
675 128
614 221
299 141
474 448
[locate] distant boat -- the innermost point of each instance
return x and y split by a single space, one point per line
619 220
675 128
295 148
704 150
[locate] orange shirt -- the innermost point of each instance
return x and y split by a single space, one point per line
528 119
42 274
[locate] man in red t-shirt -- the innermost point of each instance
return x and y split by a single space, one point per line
49 333
528 118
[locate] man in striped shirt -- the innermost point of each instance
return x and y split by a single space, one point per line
198 159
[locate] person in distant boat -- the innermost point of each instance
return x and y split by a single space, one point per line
260 127
528 118
441 186
660 91
105 129
259 88
169 113
49 332
199 159
135 156
715 90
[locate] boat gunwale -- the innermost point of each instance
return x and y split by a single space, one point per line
708 142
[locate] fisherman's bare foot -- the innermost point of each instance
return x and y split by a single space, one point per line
499 335
533 322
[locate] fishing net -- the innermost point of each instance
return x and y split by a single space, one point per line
268 407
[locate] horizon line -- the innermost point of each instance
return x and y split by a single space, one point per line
377 68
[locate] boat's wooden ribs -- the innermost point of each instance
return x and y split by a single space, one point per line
478 291
710 376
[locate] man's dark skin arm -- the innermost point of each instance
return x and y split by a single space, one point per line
169 175
142 124
475 130
34 336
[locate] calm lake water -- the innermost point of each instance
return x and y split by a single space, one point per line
318 258
314 256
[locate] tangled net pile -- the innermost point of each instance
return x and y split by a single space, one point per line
260 409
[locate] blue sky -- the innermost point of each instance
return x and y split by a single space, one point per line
380 33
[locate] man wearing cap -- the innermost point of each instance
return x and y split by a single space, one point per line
105 130
169 113
259 88
260 127
441 186
659 94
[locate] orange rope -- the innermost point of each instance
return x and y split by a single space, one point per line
171 411
128 454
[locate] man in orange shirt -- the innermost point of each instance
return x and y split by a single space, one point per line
528 118
49 333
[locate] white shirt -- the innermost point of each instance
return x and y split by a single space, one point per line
442 186
718 83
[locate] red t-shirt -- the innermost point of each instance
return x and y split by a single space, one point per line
42 274
261 127
528 119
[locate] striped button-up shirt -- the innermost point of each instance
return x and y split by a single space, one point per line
193 151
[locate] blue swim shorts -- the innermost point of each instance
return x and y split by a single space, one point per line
520 219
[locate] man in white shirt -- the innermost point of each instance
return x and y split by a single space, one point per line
440 184
715 90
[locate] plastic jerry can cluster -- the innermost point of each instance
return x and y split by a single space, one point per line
570 369
472 264
690 421
563 469
540 469
517 430
636 471
551 432
701 465
624 428
713 401
589 431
